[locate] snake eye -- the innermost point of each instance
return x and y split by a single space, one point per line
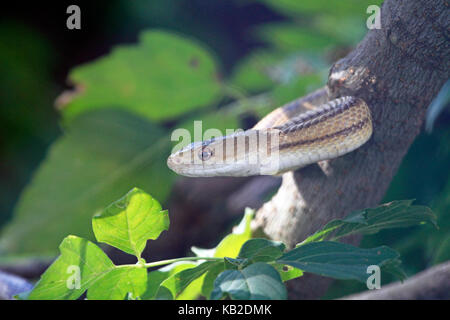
205 154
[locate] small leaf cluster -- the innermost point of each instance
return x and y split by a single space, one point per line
239 267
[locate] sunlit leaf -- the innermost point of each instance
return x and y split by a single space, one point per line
231 244
156 277
129 222
80 264
228 247
179 282
119 284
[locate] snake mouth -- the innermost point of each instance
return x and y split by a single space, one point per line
173 163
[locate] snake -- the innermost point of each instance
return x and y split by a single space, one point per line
307 130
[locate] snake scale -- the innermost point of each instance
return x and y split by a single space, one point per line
305 131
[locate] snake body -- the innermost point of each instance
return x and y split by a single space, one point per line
305 131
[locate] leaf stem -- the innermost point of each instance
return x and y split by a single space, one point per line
169 261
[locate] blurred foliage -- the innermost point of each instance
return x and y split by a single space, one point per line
163 76
27 119
166 81
101 156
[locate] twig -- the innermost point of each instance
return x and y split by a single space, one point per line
433 283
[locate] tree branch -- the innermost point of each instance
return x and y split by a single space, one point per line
397 70
433 283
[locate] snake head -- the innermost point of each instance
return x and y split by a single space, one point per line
232 155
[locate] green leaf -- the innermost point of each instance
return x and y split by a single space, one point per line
156 277
231 244
154 280
80 260
258 281
252 73
163 76
287 272
291 38
210 277
179 282
395 214
229 247
261 250
129 222
119 284
163 294
101 157
338 260
156 288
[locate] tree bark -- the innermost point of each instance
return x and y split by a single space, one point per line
397 70
434 283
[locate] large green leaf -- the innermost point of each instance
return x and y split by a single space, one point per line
395 214
156 277
258 281
163 76
178 282
119 284
101 157
80 259
129 222
339 260
83 266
